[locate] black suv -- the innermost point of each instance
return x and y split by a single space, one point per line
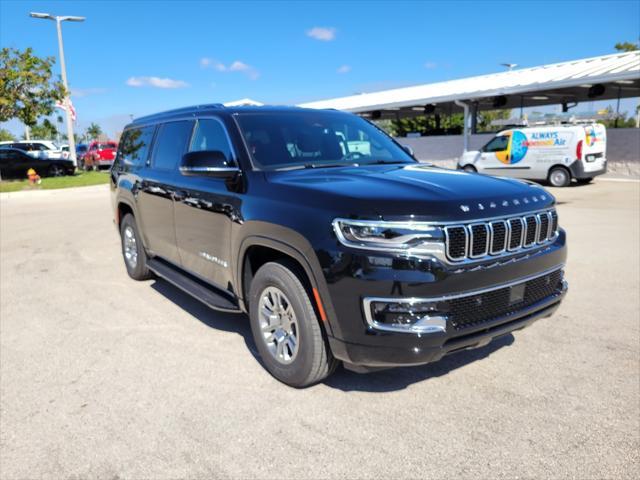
338 244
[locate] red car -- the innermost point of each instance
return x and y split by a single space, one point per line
99 154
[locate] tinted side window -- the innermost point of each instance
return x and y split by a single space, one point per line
498 144
134 146
171 144
210 135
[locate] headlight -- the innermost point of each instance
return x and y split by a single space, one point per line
399 237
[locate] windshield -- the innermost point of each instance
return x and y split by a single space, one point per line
314 139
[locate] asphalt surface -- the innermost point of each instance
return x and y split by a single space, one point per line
104 377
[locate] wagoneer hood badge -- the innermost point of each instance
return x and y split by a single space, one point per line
505 203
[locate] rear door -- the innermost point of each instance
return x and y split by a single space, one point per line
594 147
157 189
204 211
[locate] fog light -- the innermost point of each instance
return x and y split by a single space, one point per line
407 316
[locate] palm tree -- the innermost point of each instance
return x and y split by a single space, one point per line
94 131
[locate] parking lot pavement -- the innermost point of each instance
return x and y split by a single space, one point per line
104 377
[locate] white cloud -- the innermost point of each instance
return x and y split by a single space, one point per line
344 69
156 82
236 66
324 34
430 65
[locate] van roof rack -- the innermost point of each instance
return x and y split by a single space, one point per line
193 108
553 119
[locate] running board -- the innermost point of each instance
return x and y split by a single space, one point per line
194 287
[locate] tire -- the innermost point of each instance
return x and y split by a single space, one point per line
559 177
470 169
584 181
293 348
55 171
133 254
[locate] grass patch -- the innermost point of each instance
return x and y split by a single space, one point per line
82 179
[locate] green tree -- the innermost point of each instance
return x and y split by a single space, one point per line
43 131
626 46
6 136
94 131
487 116
27 90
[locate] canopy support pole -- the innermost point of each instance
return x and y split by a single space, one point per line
465 133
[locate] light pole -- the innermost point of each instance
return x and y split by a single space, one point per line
59 20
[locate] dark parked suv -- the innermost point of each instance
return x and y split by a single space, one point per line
335 241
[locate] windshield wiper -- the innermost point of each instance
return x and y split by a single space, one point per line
329 165
384 162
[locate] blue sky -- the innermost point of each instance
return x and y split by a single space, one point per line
138 57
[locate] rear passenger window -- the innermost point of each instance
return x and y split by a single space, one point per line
210 135
171 144
134 146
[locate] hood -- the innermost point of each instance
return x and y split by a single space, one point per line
417 191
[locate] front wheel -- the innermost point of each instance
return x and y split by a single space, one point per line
285 328
469 169
135 258
559 177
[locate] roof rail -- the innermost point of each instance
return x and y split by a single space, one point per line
192 108
553 119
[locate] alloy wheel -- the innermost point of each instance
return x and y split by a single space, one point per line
279 325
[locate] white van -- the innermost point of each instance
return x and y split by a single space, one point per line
556 153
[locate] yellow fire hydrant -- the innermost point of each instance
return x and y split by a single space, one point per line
34 178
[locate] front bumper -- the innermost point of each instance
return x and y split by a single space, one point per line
430 347
355 340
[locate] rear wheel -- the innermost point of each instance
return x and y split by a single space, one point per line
135 258
469 169
55 171
559 177
584 181
285 328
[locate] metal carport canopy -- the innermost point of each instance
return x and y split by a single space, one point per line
556 83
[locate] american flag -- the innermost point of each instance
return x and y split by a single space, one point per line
66 104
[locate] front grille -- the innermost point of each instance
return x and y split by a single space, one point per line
498 237
530 235
479 240
516 233
544 227
554 222
456 242
472 310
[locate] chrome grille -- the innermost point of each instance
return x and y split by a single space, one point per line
515 238
456 238
481 240
531 232
498 237
543 234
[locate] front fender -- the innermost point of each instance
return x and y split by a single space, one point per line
292 244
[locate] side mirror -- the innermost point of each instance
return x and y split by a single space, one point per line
210 163
408 149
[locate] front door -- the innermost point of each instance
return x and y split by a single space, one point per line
204 211
503 155
156 191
